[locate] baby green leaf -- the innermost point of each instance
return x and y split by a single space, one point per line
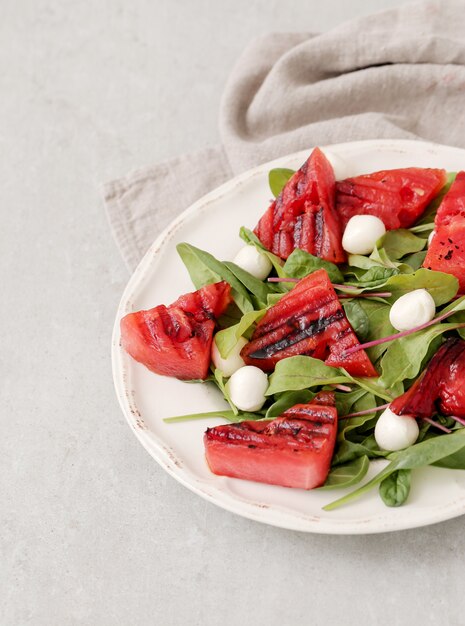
301 263
303 372
219 381
398 243
287 399
278 178
204 269
442 287
427 452
226 414
257 287
358 318
404 357
347 475
251 238
395 488
226 339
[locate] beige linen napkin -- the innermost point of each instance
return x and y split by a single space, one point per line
395 74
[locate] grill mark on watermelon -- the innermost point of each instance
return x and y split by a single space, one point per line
318 220
315 328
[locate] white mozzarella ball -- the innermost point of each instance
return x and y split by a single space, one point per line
395 432
361 234
247 388
412 309
253 261
341 167
430 238
232 362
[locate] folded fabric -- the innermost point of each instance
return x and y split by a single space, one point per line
395 74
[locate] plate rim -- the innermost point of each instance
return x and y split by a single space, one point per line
163 454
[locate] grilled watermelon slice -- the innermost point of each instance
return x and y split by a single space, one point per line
309 320
303 215
440 386
446 252
176 340
398 197
293 450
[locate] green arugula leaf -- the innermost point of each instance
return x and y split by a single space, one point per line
277 178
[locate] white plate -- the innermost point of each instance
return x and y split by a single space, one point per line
213 223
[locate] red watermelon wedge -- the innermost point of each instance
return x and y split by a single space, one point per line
303 215
309 320
446 252
293 450
176 340
398 197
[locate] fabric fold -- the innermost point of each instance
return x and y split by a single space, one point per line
395 74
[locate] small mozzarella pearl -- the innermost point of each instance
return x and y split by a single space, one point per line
412 309
341 167
252 261
361 234
247 388
395 432
232 362
430 238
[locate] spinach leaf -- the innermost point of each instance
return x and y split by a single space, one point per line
204 269
226 339
453 461
278 178
219 381
428 452
301 263
404 357
415 260
362 262
251 238
347 475
395 488
442 287
358 318
345 400
257 287
302 372
287 399
364 402
376 276
379 325
398 243
226 414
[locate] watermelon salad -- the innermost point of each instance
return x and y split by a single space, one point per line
336 336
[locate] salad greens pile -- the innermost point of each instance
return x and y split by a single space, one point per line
392 270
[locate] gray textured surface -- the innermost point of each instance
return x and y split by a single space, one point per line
92 530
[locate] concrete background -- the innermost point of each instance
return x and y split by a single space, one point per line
92 531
